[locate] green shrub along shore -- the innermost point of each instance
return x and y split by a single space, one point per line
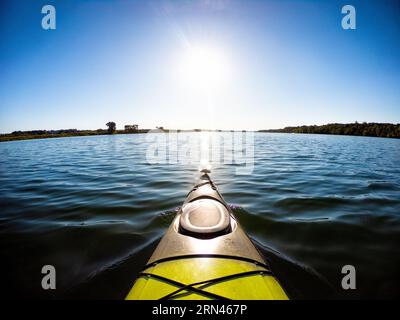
386 130
372 129
43 134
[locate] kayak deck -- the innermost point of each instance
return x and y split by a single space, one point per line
195 278
205 254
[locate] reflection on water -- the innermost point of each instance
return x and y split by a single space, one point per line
95 209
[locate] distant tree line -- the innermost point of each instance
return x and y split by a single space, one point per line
372 129
39 134
42 132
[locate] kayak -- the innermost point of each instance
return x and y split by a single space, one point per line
205 254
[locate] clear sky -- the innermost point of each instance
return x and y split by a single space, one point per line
225 64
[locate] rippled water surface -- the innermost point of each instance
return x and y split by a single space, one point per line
95 209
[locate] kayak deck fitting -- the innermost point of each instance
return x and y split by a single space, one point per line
205 254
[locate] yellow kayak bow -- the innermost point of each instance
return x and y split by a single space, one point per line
205 254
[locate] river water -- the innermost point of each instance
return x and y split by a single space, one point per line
95 208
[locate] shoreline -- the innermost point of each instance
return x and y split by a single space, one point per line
28 136
378 130
54 136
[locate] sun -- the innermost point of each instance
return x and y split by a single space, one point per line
204 68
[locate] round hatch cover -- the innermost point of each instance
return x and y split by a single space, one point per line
204 218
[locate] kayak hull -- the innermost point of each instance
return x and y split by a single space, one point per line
205 254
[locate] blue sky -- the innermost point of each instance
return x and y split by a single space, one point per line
287 63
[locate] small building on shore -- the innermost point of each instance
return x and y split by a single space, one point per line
131 127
